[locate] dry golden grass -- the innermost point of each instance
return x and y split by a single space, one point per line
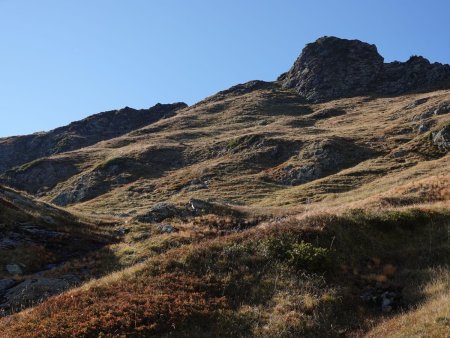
431 319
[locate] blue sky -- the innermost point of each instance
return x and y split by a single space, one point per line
63 60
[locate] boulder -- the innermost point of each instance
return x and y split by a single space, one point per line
443 108
159 212
14 269
200 206
167 229
422 128
417 103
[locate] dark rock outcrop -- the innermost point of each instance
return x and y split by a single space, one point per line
331 68
18 150
442 139
319 159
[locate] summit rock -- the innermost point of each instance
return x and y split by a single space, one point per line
332 68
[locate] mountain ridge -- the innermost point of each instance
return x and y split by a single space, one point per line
17 150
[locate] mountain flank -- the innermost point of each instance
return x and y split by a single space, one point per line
316 205
15 151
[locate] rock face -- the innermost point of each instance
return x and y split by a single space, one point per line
331 68
15 151
442 139
319 159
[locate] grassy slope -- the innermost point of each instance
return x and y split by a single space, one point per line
205 280
241 167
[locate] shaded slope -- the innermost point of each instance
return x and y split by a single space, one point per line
36 239
35 234
297 277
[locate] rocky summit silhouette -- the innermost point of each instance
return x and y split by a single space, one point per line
331 68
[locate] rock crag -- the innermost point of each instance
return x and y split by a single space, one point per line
332 68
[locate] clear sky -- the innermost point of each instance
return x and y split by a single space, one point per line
63 60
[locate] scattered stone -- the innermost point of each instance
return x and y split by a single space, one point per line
386 298
14 269
122 231
442 138
320 158
422 129
167 229
39 232
143 235
424 115
399 153
197 184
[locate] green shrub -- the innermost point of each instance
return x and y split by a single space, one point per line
306 256
277 248
301 255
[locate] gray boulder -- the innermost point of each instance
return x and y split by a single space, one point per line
167 229
417 102
14 269
443 108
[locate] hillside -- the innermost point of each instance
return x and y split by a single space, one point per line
313 205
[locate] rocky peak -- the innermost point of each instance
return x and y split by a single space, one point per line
331 68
